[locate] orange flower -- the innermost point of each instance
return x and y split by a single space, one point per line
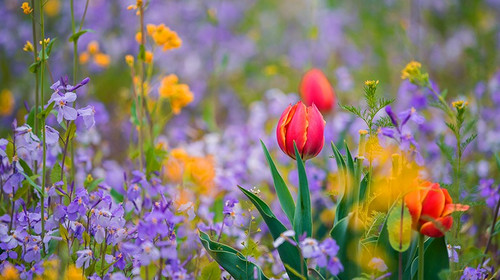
430 208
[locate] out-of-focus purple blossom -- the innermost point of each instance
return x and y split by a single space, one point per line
489 191
83 258
471 273
452 252
87 113
51 135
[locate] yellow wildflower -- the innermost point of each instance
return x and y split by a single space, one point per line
52 7
46 41
149 57
151 29
138 37
28 47
202 171
102 59
6 102
166 38
130 60
84 58
413 73
26 8
179 95
9 272
459 105
371 84
93 47
73 273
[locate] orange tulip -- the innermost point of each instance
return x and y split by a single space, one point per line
305 126
430 208
316 89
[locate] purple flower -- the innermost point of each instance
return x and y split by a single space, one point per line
329 248
489 191
471 273
310 248
51 135
83 258
61 103
87 113
149 253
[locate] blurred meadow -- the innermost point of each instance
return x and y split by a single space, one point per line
143 139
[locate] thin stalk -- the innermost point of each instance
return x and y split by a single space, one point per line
421 238
400 262
44 159
142 95
492 229
75 61
37 97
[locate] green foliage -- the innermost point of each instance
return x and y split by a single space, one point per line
374 105
284 196
303 217
375 221
399 228
435 258
231 260
77 35
211 271
347 236
289 254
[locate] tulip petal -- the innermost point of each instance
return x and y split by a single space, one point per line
282 126
433 204
412 201
315 133
316 89
438 227
447 197
296 130
450 208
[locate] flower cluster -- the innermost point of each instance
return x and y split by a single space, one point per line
93 52
178 94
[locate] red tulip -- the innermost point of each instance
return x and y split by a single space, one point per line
430 208
305 126
316 89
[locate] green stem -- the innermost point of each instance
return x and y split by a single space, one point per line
44 159
75 64
421 238
37 97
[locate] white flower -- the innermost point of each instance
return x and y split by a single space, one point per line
284 236
310 248
378 264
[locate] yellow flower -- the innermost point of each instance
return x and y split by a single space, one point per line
151 29
6 102
52 7
179 95
130 60
459 105
26 8
138 37
371 84
413 73
166 38
102 59
149 57
202 171
28 47
73 273
84 57
46 41
9 272
93 47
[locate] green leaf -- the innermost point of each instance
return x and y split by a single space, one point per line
118 197
92 185
211 272
231 260
342 209
345 234
497 228
55 173
86 238
315 274
435 258
45 113
21 191
302 217
289 254
142 53
34 66
71 131
77 35
31 182
399 228
284 196
497 160
25 167
363 186
48 48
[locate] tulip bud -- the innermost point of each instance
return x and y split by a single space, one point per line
316 89
305 126
431 208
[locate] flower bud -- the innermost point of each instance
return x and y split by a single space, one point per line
303 125
431 207
316 89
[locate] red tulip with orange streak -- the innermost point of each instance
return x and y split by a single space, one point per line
305 126
431 207
316 89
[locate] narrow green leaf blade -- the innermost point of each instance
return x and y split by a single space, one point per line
303 217
289 254
231 260
284 196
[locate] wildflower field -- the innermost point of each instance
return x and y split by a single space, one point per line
250 139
